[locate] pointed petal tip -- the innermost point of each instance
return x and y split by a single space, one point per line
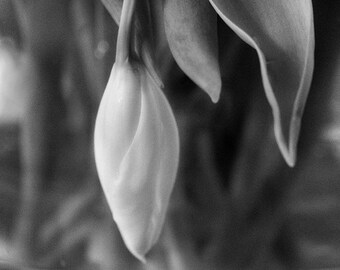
292 159
138 252
291 162
289 155
139 257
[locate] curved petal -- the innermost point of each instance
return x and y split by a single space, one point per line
117 119
147 173
282 32
169 157
132 196
137 161
191 30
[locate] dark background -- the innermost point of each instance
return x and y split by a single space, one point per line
236 204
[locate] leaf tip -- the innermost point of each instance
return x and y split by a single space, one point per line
215 98
214 91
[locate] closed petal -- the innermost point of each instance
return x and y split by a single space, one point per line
138 175
169 158
147 174
191 30
117 121
282 32
132 198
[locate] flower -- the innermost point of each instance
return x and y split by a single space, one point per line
137 151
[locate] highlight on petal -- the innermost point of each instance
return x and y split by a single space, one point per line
117 119
137 152
282 32
191 30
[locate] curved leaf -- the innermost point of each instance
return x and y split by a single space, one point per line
191 29
282 32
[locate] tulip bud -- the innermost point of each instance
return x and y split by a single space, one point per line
137 151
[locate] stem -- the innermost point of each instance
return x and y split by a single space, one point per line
124 32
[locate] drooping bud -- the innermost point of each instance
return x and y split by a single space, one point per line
137 152
136 144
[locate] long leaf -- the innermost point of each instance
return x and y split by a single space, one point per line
191 30
282 32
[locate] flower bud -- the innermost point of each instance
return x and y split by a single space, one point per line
137 151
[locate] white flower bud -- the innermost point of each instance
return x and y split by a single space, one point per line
137 151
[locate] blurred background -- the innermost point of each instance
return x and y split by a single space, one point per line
236 204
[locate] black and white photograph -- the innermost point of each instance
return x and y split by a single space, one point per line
169 134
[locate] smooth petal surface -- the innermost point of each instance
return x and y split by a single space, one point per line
138 182
282 32
191 30
117 120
